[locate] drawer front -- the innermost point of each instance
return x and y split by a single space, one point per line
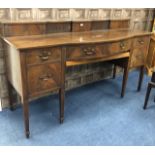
81 26
43 78
84 52
141 41
138 57
97 51
118 47
37 56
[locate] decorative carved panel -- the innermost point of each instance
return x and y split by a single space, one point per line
116 14
4 14
45 14
23 14
93 13
63 14
105 13
78 13
126 13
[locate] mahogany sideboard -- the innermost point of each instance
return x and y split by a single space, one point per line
36 62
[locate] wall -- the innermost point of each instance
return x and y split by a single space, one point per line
76 76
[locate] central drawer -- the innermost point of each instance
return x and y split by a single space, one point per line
91 51
42 78
84 52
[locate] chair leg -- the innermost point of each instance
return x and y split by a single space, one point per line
114 71
141 75
147 95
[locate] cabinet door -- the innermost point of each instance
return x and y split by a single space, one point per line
139 51
138 57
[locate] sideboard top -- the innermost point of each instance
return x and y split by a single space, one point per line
67 38
58 21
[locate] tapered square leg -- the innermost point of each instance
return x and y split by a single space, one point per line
141 75
147 95
125 77
26 118
61 104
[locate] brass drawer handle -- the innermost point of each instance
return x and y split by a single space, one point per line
45 77
44 56
122 45
89 51
141 41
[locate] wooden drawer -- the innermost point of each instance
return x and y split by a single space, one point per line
81 26
84 52
97 51
37 56
141 41
117 47
43 78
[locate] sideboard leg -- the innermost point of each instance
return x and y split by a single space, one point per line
147 96
114 71
141 75
125 78
10 96
61 103
26 118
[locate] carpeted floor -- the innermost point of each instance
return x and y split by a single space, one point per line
94 115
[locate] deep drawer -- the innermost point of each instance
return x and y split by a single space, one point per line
42 78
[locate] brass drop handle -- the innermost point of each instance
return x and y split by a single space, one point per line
141 41
122 45
45 77
44 56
